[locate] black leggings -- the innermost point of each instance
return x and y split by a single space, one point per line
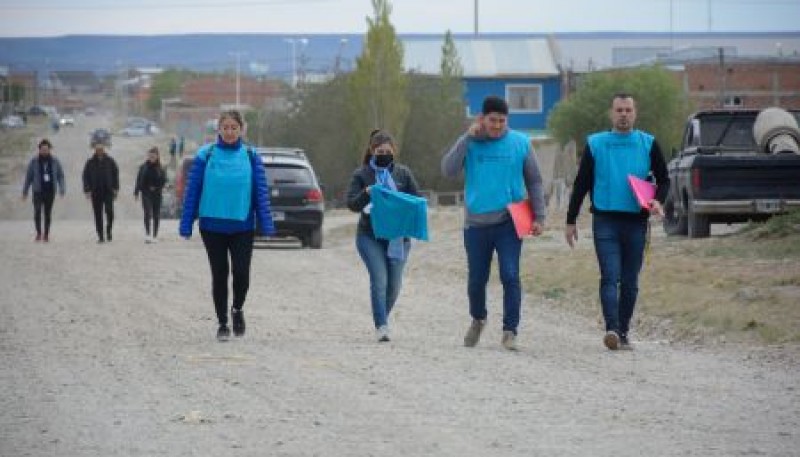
151 204
100 201
42 201
218 247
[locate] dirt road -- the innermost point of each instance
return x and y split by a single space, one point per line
109 350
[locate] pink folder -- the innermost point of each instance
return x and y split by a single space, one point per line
522 215
644 191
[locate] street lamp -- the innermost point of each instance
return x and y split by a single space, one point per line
293 42
238 55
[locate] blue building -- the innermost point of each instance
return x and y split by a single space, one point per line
521 70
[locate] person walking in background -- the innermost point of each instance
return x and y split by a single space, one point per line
150 182
173 151
101 183
46 176
499 166
228 190
181 145
384 259
619 224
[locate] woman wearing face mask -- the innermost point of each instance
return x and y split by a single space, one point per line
384 259
150 182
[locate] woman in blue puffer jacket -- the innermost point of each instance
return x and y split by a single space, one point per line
227 189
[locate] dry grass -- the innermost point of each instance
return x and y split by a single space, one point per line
743 287
738 287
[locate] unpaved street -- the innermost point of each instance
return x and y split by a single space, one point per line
109 350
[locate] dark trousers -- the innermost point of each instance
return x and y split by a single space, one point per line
619 244
481 243
42 201
219 246
151 204
100 202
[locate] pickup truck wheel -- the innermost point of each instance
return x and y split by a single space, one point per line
674 222
699 226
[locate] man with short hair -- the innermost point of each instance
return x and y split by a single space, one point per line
45 175
500 168
101 184
619 223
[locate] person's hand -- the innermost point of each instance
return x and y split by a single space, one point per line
656 209
571 234
136 197
475 129
536 229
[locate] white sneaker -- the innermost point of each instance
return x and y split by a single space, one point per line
154 240
147 239
383 333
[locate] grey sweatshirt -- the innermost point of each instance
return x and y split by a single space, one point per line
453 166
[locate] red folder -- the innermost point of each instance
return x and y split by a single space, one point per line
644 191
522 215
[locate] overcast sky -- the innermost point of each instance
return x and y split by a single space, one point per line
149 17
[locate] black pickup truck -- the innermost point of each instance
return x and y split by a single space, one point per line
733 166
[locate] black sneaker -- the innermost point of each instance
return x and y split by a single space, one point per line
108 236
223 333
624 343
237 315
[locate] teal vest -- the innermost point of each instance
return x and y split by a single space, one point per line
227 184
617 155
493 172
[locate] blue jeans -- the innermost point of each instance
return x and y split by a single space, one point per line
619 243
480 244
385 275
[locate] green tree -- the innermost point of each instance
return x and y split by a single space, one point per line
165 85
660 104
378 84
437 116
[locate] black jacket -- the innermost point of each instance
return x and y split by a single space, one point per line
363 177
150 179
101 175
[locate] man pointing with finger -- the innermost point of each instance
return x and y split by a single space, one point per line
619 224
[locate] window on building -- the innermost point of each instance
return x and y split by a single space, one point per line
524 98
733 101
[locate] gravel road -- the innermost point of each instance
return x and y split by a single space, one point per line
109 350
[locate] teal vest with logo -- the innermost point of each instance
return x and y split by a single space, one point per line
617 155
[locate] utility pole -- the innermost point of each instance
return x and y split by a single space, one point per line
238 55
476 17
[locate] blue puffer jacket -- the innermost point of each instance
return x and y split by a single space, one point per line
260 205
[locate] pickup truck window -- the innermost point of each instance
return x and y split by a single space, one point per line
730 131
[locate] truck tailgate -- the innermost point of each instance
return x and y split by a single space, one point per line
751 177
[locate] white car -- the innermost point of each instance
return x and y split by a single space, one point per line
12 122
135 130
67 120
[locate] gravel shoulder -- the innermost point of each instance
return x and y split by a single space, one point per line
109 350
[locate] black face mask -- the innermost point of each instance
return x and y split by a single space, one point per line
384 160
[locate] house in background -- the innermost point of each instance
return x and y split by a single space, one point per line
521 70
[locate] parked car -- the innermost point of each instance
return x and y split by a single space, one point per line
296 196
12 122
135 130
101 134
37 110
67 120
